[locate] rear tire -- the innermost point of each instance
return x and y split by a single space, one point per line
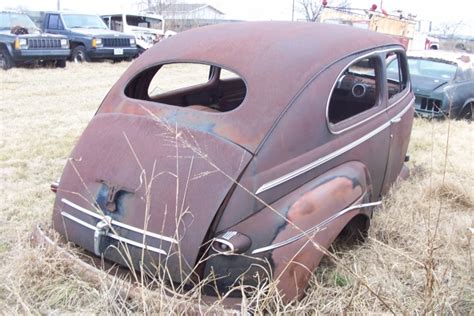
466 113
79 54
6 62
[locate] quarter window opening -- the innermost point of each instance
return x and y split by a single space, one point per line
397 76
194 86
356 90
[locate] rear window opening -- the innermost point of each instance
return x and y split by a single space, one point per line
195 86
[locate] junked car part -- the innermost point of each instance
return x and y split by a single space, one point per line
241 165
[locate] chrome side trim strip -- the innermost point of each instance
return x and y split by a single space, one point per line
402 112
271 184
77 220
119 224
320 161
315 228
114 236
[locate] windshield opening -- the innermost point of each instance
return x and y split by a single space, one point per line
11 20
142 21
83 21
431 68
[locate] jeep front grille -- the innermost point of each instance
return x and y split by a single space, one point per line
432 105
116 42
38 43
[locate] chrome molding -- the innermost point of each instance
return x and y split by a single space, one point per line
315 228
119 224
102 228
271 184
364 89
224 239
111 235
224 242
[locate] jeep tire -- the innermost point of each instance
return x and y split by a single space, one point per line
79 54
6 62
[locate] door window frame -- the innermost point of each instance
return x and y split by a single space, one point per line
382 103
405 70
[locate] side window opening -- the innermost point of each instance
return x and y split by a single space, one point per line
195 86
106 21
116 23
356 90
54 22
397 76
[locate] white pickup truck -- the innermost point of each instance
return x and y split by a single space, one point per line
148 29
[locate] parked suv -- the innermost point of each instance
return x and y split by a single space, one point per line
22 42
89 37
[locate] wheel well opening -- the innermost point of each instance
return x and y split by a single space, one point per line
355 231
75 44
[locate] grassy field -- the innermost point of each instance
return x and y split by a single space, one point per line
418 257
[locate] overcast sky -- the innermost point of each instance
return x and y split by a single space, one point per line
436 11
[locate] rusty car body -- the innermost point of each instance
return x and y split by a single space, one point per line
246 176
443 83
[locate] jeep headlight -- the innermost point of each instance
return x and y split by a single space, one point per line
96 42
21 43
132 42
64 43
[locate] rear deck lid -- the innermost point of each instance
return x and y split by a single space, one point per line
133 181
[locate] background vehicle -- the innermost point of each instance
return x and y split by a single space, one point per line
443 83
252 166
401 28
89 37
148 29
21 42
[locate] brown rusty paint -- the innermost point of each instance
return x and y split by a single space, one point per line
301 49
313 207
296 212
209 165
103 154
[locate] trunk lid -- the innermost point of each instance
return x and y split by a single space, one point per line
132 180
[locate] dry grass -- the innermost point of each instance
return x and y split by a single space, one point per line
418 257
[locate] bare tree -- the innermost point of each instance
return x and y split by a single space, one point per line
312 8
156 6
449 29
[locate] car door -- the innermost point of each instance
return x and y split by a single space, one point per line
54 24
357 115
400 109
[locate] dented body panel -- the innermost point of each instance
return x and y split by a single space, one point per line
185 190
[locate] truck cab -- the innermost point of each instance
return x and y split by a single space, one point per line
21 42
89 37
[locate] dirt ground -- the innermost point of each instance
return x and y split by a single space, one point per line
418 258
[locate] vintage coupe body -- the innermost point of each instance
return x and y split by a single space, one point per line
290 138
443 83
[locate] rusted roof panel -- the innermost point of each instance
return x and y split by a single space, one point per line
275 59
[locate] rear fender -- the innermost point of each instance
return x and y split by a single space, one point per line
289 239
